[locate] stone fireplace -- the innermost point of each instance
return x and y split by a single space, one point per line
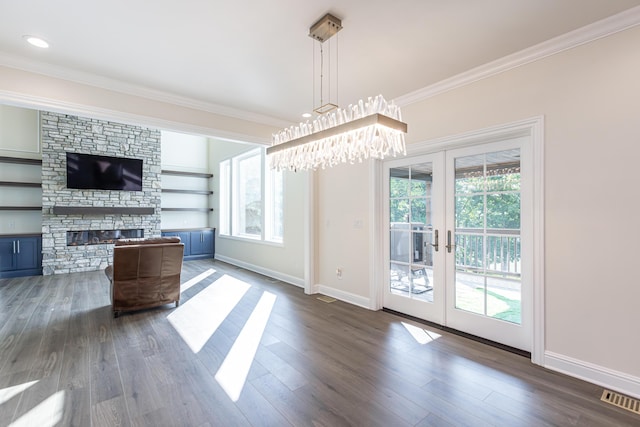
97 215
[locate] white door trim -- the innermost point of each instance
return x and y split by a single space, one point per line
532 127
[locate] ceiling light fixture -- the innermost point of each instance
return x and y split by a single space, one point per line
36 41
371 129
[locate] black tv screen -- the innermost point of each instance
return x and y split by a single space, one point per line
88 171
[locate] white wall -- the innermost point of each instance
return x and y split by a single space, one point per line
590 98
19 137
185 153
286 261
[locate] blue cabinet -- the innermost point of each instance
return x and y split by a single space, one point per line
198 243
202 243
20 256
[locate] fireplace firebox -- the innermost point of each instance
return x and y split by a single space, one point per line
100 237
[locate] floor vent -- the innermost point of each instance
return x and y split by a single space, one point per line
621 401
326 298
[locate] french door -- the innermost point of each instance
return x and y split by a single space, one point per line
458 242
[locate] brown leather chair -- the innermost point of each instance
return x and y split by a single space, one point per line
145 273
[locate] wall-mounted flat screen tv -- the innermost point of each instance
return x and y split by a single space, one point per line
88 171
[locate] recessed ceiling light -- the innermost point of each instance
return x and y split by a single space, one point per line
36 41
306 115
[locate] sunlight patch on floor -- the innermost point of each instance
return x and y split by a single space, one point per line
200 277
422 336
234 369
197 319
8 392
46 414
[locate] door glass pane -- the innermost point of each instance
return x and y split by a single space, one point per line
419 212
410 228
399 210
470 211
400 245
503 210
399 182
487 235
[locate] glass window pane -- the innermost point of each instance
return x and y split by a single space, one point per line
503 211
399 210
503 170
400 279
419 213
469 174
248 200
400 245
399 182
422 250
224 210
504 300
421 178
469 211
469 292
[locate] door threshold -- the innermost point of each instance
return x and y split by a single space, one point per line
476 338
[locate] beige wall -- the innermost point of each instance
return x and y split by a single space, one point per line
590 98
283 261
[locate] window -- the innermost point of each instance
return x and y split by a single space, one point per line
251 198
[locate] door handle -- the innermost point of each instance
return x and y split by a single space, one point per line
449 244
14 246
18 246
435 245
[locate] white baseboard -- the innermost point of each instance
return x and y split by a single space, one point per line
342 295
605 377
261 270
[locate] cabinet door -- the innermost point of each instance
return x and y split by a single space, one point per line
202 242
184 238
27 253
6 254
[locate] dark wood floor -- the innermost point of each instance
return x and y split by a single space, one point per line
64 360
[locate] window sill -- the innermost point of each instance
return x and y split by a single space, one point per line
251 240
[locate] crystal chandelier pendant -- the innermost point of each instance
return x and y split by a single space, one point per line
366 130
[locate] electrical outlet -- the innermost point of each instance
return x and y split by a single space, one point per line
339 273
12 225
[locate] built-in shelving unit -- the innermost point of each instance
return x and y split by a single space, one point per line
20 161
203 192
191 174
188 209
189 192
20 184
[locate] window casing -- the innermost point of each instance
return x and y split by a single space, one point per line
251 198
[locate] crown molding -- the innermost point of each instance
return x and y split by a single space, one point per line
106 83
54 105
600 29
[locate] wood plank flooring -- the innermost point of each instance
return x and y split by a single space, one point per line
65 361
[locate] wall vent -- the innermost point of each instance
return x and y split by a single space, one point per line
621 401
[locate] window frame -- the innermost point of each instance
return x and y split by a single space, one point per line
229 217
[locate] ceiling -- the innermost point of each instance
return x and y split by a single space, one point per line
255 56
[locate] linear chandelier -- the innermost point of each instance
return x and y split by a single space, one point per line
368 129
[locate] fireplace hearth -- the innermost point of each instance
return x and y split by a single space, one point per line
100 237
